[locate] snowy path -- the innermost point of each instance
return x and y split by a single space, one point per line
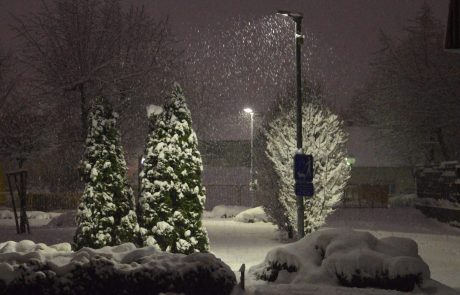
237 243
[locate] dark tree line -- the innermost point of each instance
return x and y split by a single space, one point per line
412 95
81 49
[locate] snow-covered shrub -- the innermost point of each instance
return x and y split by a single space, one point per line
106 213
252 215
348 258
324 138
172 194
399 201
124 269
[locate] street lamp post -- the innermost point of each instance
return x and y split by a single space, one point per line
297 18
251 171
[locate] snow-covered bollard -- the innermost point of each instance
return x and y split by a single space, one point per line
29 268
242 271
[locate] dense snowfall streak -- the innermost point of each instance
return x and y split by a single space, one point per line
249 64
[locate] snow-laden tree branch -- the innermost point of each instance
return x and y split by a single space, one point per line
324 138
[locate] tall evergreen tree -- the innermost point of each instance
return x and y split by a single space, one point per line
172 194
155 208
106 215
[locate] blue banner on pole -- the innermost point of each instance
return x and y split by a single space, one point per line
304 189
303 167
303 175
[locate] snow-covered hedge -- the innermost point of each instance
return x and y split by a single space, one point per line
348 258
252 215
29 268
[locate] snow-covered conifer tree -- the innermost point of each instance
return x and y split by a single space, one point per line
106 215
172 194
324 138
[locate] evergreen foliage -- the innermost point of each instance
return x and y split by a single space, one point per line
106 215
324 138
172 195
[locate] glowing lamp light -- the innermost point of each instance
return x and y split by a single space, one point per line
294 15
351 160
248 110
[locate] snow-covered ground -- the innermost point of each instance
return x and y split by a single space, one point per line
36 218
236 242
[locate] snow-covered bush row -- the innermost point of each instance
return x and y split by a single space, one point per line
252 215
438 203
224 211
28 268
348 258
7 214
399 201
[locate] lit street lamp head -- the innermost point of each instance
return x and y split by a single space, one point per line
297 16
248 110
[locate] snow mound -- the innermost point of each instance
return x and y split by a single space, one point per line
26 246
67 219
348 258
225 211
256 214
38 215
28 268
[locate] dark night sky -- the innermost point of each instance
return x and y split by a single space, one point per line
347 27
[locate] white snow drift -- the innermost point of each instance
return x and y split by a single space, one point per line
224 211
336 255
39 215
251 215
